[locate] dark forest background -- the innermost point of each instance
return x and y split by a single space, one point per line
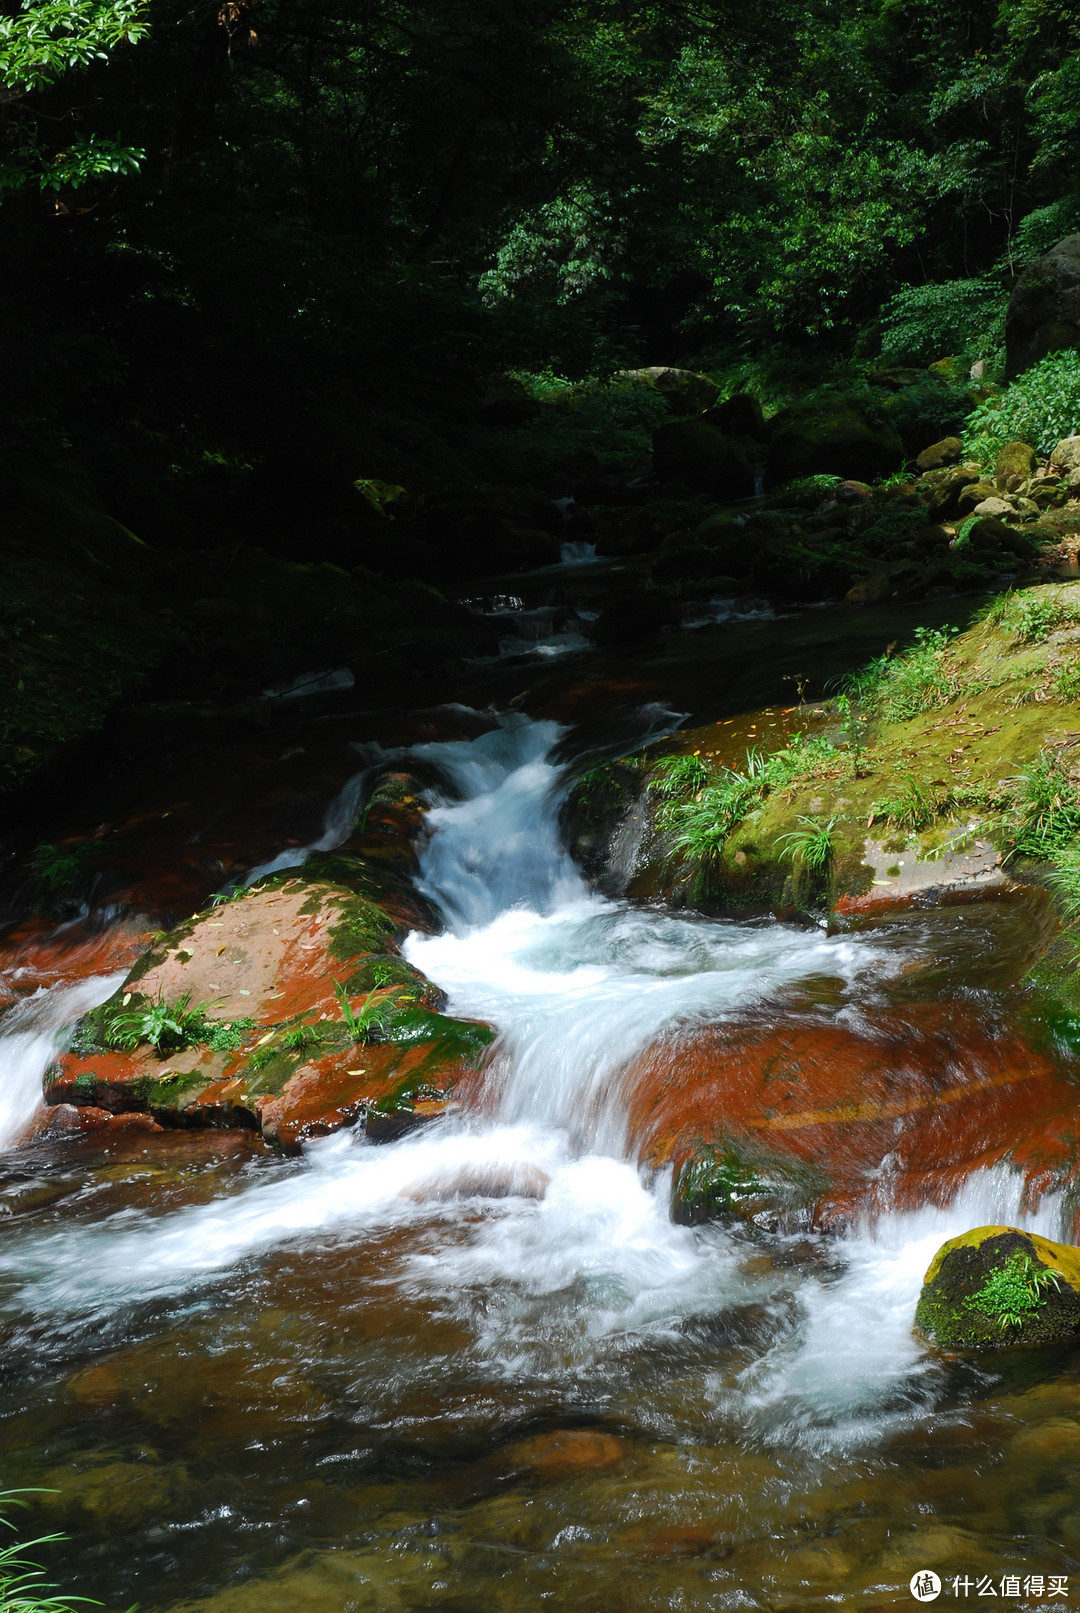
262 265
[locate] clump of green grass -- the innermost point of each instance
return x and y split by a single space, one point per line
1067 684
374 1012
165 1026
705 804
899 687
810 846
676 777
23 1588
1031 617
1016 1291
1047 807
912 806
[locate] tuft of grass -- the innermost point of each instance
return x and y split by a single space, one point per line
912 806
701 816
1067 684
23 1587
1064 881
810 846
1047 807
898 688
373 1013
679 776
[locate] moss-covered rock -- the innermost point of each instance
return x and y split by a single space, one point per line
702 458
833 433
733 1179
997 1286
945 452
1015 459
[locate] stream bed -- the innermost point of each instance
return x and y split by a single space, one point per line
481 1368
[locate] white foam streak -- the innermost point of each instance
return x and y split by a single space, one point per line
31 1035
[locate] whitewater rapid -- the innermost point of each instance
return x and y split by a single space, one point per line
535 1201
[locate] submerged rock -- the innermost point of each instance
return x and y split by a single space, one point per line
997 1286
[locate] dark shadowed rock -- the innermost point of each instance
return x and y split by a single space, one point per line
1044 309
702 458
832 434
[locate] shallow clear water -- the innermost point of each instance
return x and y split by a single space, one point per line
481 1368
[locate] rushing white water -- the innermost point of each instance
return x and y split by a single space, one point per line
571 1246
31 1035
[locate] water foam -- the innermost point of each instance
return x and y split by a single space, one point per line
32 1034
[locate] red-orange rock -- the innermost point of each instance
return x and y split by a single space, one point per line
898 1112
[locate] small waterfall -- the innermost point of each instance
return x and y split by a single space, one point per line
337 827
498 848
31 1035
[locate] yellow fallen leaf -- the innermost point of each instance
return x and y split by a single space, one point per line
220 950
269 1037
355 1072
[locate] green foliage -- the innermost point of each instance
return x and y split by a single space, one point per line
1047 807
700 819
1040 408
911 806
1064 881
1015 1291
167 1027
23 1588
45 40
679 776
55 868
928 322
898 688
1032 616
1067 684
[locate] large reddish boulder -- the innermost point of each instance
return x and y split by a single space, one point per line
804 1120
275 1050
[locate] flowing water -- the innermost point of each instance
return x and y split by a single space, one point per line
481 1368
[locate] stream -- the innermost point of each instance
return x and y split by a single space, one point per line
481 1368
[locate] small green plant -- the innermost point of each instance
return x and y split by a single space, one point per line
1040 407
1067 684
165 1026
701 819
373 1012
55 868
1015 1291
1047 807
680 776
1064 881
810 846
23 1589
853 726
